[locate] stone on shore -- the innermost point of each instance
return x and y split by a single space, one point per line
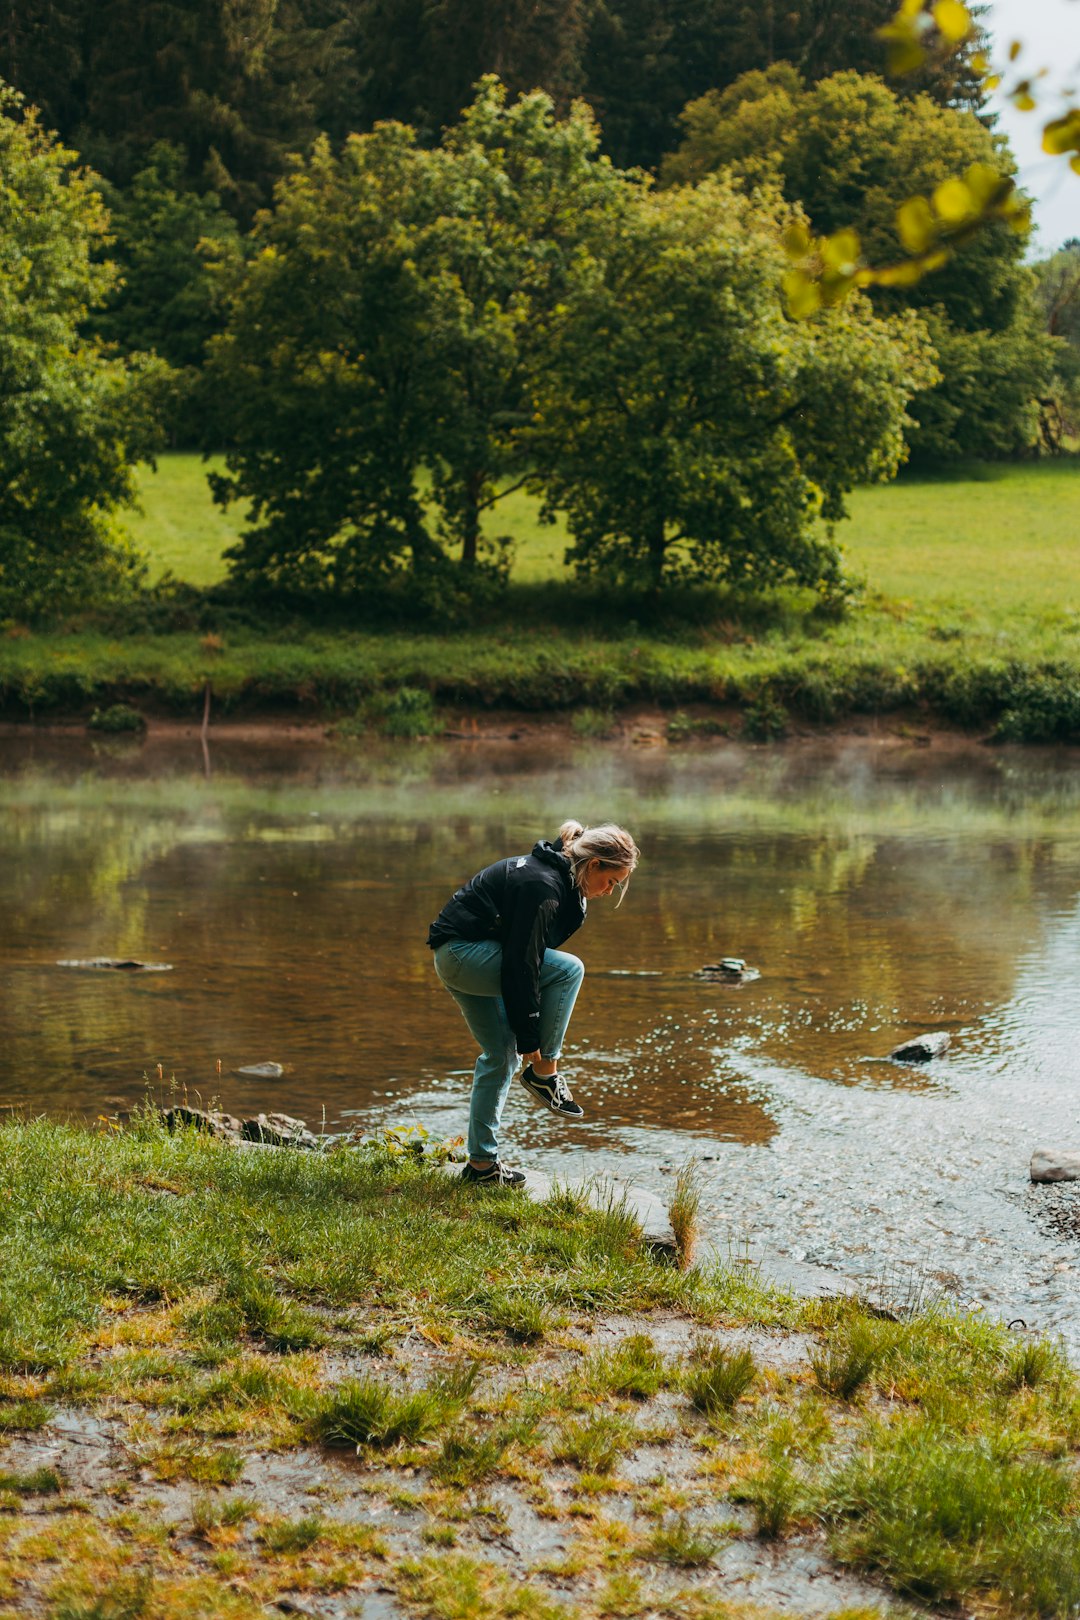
278 1130
1055 1164
922 1048
225 1126
262 1071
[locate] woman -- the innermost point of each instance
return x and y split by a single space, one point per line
494 944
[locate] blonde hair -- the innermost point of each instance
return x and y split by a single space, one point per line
606 843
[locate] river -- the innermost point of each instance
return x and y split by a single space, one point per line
881 888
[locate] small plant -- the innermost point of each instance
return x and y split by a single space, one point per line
117 719
23 1417
632 1368
765 719
407 712
208 1515
367 1412
684 1212
596 1444
467 1459
716 1378
592 723
1029 1365
125 1599
848 1360
522 1317
677 1541
39 1482
775 1494
291 1535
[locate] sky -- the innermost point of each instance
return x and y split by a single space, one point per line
1049 31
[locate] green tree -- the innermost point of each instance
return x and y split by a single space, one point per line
1057 295
687 427
382 341
69 416
849 150
166 240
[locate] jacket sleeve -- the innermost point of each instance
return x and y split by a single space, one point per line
523 953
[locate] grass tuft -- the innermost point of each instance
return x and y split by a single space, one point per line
848 1360
684 1212
291 1535
676 1540
368 1412
717 1378
595 1444
633 1367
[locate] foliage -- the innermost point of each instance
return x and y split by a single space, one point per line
381 342
1057 295
850 150
164 301
68 414
686 427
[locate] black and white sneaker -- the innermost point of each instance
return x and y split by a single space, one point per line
494 1175
551 1090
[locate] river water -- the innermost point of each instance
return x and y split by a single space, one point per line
881 888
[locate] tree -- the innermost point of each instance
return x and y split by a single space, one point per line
850 151
1057 295
165 241
645 59
687 427
69 421
381 343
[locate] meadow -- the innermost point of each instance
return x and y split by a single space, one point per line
964 610
231 1380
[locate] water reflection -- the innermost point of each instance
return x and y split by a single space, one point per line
291 893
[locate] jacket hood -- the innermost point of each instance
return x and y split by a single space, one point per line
551 855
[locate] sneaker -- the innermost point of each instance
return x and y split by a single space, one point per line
496 1175
551 1090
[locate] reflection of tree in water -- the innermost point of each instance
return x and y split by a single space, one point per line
300 937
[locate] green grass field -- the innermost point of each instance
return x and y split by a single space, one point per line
964 552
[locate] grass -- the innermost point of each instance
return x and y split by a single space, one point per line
951 1480
971 613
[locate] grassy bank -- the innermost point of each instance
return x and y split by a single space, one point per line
230 1380
970 614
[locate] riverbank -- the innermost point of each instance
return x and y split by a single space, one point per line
1019 688
234 1380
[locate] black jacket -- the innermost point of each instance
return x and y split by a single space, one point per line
529 903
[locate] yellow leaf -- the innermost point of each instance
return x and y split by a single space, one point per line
984 182
953 202
910 10
841 251
915 223
797 241
1023 100
803 295
991 81
1062 134
1074 164
980 62
953 20
900 275
1014 50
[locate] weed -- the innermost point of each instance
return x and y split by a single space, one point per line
621 1597
765 719
848 1360
459 1588
520 1316
208 1515
717 1378
595 1444
634 1367
116 720
684 1212
1031 1364
39 1482
409 711
775 1493
367 1412
23 1417
291 1535
468 1459
125 1599
592 722
677 1541
439 1535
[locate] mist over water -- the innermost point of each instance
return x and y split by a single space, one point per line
881 890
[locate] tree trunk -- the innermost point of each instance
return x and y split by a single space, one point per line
657 543
470 518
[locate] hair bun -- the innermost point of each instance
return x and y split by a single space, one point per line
569 831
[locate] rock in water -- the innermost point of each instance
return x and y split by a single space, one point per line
278 1130
1052 1164
922 1048
262 1071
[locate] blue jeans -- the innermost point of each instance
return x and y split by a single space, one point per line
472 972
